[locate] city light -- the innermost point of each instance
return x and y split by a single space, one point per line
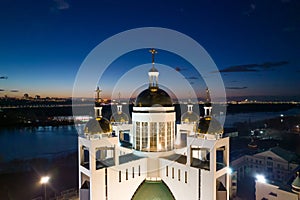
44 179
261 178
229 170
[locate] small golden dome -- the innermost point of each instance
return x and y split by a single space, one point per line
99 125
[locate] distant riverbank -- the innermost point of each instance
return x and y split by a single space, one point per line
45 116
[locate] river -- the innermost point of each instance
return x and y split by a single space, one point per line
48 141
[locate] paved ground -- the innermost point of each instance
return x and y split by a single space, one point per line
26 185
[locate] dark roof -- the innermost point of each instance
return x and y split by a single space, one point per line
153 97
287 155
153 69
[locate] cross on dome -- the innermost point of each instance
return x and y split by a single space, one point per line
153 72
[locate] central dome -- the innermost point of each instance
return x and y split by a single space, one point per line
153 98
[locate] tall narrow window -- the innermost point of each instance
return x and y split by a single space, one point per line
132 172
172 172
185 176
120 176
178 174
145 136
126 174
167 169
137 136
139 170
169 136
106 192
153 136
162 134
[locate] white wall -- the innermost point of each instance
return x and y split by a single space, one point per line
153 117
97 184
180 189
208 185
126 188
265 190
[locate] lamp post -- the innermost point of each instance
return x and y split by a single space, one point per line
261 178
44 181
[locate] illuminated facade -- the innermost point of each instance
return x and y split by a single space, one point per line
265 190
117 161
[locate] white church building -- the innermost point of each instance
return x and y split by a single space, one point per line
153 157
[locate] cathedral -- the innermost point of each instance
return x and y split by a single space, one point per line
150 156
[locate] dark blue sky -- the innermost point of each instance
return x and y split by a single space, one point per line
255 44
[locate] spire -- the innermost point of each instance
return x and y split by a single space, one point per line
153 52
153 73
190 105
119 96
207 104
98 91
208 100
119 106
98 107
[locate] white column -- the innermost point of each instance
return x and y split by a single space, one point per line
148 135
173 133
166 134
157 136
228 185
92 158
116 155
141 139
189 159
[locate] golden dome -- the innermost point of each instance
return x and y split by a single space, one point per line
189 118
119 117
209 125
99 125
151 97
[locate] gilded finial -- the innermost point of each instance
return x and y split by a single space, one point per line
208 100
153 52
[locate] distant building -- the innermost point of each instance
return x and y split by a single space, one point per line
277 164
265 190
123 160
26 96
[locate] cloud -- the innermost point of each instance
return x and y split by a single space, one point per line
241 68
180 69
236 88
192 78
3 77
61 5
254 67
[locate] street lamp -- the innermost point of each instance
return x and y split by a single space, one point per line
44 181
261 178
